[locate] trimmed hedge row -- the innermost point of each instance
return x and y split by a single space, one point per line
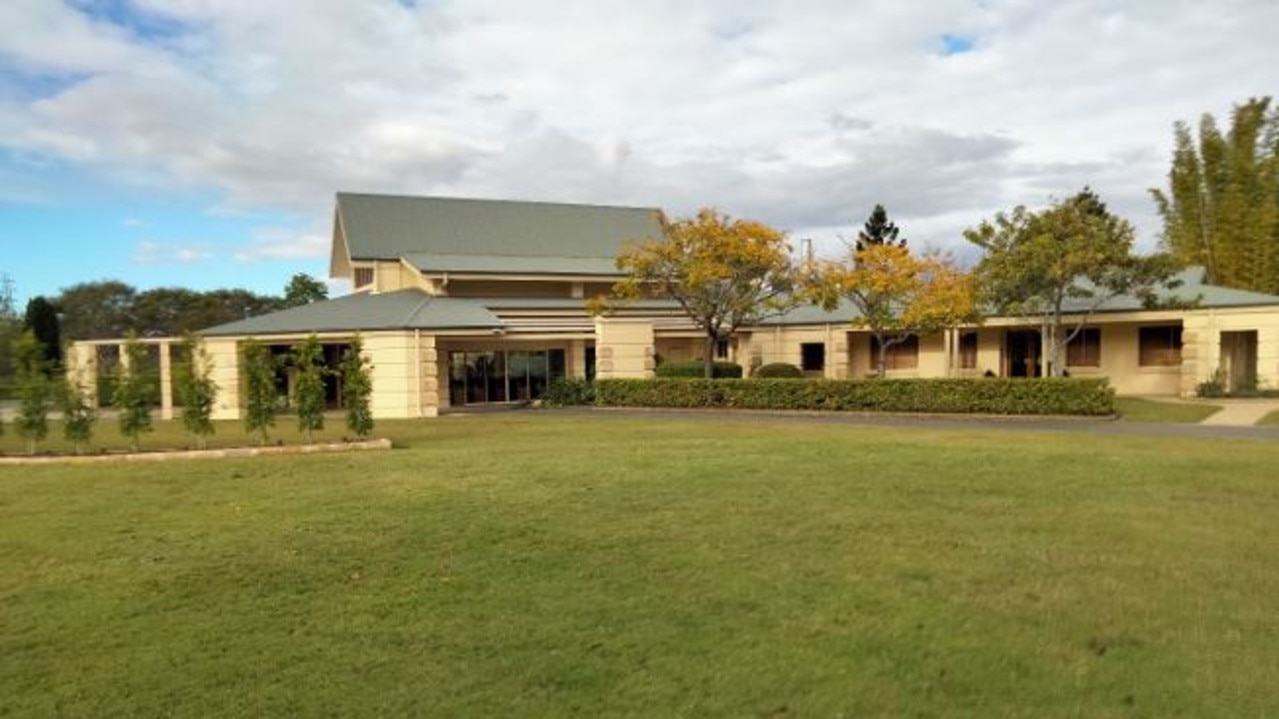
1065 396
778 370
695 369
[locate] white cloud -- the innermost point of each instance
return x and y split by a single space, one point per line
803 114
276 243
148 252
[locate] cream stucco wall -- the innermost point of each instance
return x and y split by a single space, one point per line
623 348
783 345
1201 338
224 354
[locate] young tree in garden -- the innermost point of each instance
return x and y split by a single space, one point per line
896 294
263 401
357 389
308 393
134 392
42 321
1221 208
1063 261
878 231
304 289
35 390
196 390
724 273
78 413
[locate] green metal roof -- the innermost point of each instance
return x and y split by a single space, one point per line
405 309
390 226
512 264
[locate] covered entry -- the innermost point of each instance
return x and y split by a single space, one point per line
1238 362
1023 354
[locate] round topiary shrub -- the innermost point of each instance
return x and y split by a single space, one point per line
779 370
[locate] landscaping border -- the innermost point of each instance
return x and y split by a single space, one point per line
223 453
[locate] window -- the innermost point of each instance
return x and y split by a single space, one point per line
812 357
1085 349
363 276
902 355
968 350
1159 346
721 349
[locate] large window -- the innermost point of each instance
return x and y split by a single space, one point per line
812 357
1084 349
502 376
1159 346
902 355
968 350
363 277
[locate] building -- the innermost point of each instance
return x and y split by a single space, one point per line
466 302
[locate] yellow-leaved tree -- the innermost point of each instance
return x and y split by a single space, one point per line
724 273
896 294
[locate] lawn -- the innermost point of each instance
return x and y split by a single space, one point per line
1136 409
1272 418
545 564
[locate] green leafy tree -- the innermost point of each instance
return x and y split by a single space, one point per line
357 389
896 294
1221 207
196 390
724 273
262 399
1062 262
308 397
41 320
304 289
134 392
878 230
78 413
35 390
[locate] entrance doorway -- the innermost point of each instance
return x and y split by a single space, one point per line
1239 360
500 376
1022 354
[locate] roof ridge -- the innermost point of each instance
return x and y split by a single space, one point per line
512 201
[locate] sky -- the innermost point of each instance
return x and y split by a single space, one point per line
199 143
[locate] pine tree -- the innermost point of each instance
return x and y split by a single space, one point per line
41 319
878 231
308 359
357 389
1221 208
263 401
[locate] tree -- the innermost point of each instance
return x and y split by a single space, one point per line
878 231
1062 262
308 394
96 310
196 389
42 321
263 401
304 289
724 273
896 294
134 392
1221 209
35 391
78 413
357 389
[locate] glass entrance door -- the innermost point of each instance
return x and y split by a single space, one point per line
495 376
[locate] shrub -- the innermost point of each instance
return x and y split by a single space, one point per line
984 396
1215 386
778 370
697 369
569 392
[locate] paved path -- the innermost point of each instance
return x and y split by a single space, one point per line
1240 412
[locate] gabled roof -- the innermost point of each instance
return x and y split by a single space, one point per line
405 309
390 226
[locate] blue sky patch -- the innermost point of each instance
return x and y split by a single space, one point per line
146 26
956 44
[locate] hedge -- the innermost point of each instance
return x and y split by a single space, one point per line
778 370
696 369
569 392
1064 396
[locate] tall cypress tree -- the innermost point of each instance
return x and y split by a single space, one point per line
1221 207
42 321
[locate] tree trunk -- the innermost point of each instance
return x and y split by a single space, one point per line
881 362
708 366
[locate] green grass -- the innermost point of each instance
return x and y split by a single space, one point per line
539 564
1270 419
1136 409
